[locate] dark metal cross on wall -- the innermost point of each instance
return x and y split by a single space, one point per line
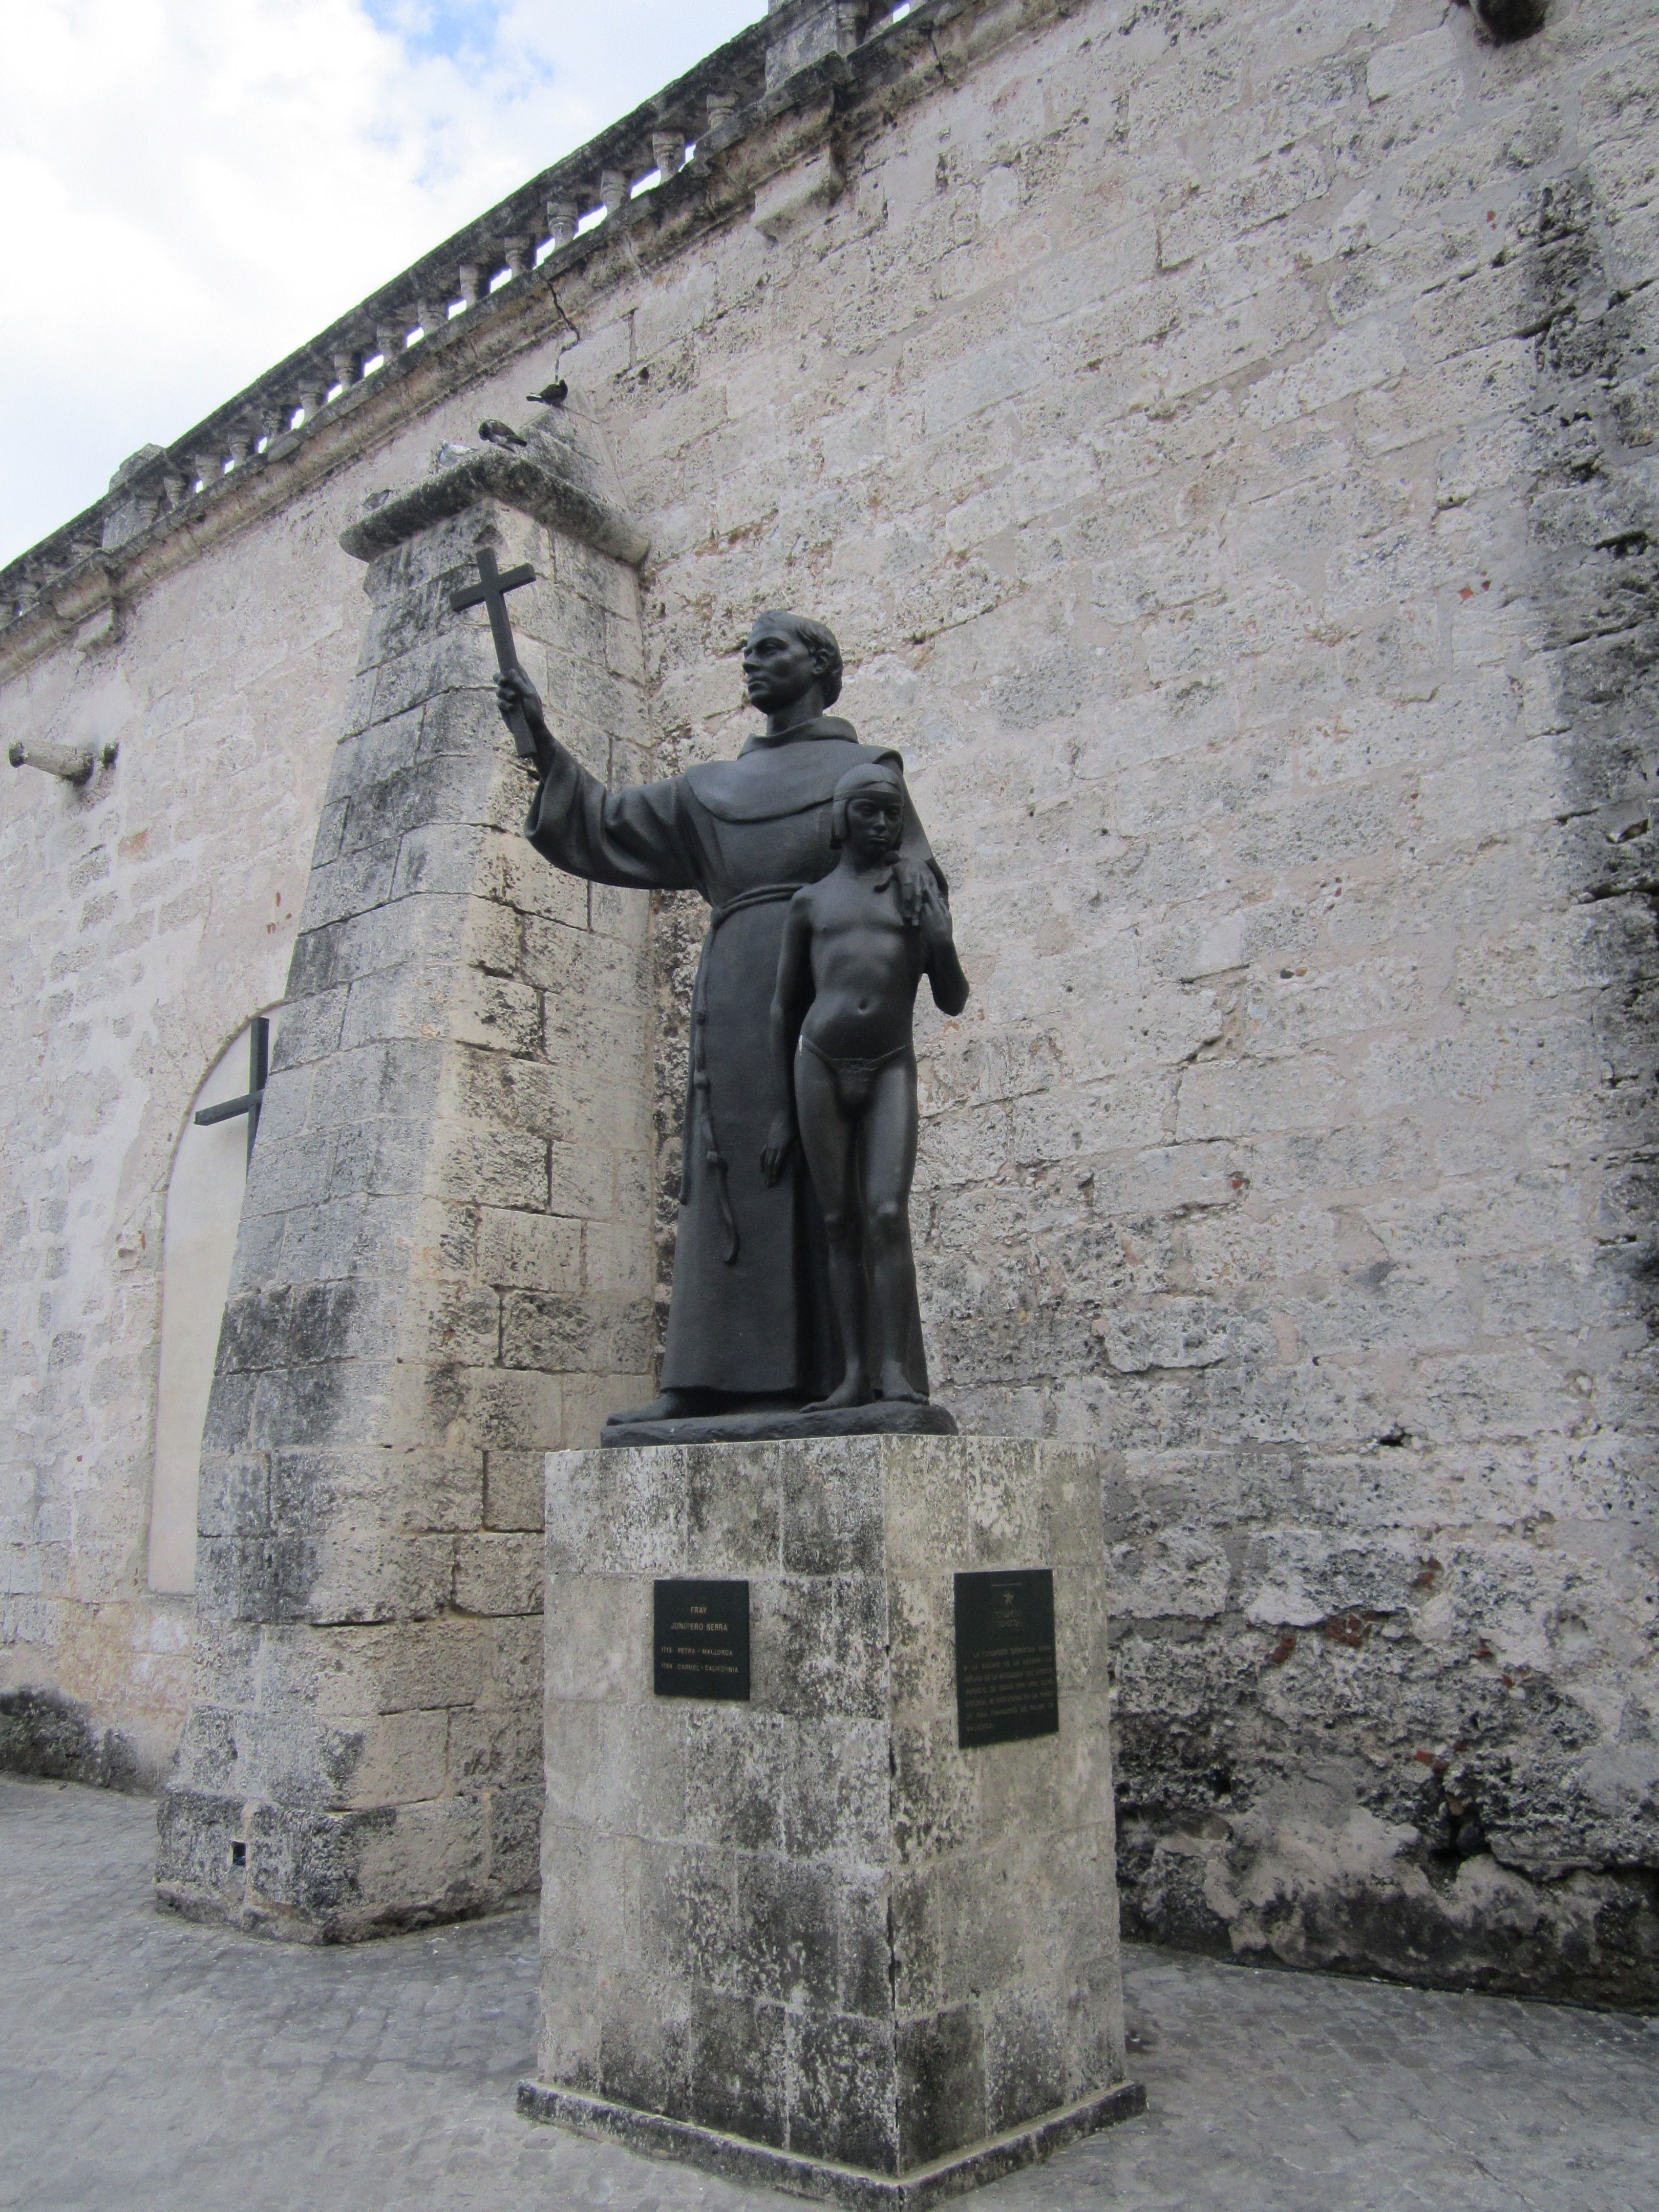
258 1068
489 593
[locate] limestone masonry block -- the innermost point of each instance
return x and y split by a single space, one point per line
1224 440
400 1315
810 1921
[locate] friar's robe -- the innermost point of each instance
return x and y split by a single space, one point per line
750 1311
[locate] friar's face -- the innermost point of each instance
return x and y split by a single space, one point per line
778 668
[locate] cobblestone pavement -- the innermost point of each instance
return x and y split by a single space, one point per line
145 2063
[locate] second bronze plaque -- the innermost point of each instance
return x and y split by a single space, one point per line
1007 1684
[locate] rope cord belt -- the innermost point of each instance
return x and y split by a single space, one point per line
698 1099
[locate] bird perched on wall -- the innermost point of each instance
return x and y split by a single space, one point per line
552 395
501 434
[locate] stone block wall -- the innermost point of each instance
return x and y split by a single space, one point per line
442 1273
1223 441
146 918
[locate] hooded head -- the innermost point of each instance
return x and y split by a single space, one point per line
884 775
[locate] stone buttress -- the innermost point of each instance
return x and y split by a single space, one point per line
443 1265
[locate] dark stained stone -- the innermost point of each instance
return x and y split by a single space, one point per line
737 2066
941 2084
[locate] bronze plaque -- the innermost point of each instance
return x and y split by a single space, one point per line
700 1639
1006 1685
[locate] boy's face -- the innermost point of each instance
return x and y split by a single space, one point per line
875 822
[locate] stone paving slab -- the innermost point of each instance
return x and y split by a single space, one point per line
145 2063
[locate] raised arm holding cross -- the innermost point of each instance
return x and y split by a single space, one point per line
489 592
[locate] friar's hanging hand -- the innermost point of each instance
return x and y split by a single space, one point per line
917 882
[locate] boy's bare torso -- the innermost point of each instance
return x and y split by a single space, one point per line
865 967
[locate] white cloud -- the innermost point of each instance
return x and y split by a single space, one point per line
198 185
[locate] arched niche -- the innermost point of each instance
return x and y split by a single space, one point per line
198 1243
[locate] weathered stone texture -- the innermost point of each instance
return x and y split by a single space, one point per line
409 1301
1224 442
1243 529
147 916
809 1919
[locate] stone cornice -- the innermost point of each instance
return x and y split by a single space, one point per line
169 506
521 481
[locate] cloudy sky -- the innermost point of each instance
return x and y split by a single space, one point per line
196 187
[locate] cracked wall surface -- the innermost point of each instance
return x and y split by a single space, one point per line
1222 439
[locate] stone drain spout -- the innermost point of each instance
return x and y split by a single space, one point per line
75 763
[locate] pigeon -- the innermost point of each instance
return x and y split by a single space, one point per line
552 395
499 433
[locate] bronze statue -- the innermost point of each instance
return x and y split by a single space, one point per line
845 994
750 1320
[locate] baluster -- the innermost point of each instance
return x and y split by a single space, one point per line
391 334
722 106
668 152
475 278
432 305
520 252
614 191
210 466
346 359
562 214
311 391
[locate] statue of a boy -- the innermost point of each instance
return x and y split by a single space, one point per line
846 1070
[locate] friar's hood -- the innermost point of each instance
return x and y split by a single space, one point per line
775 776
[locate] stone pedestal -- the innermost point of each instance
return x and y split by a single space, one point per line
806 1938
443 1266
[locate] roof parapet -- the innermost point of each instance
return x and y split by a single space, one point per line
671 146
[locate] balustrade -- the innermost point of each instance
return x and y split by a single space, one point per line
591 186
431 304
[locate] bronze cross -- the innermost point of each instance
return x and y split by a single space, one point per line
489 591
258 1067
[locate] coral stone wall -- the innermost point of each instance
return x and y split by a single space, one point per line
147 916
1222 439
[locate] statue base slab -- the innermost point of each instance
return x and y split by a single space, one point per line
751 1426
756 2166
839 1918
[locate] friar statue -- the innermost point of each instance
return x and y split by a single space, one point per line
750 1321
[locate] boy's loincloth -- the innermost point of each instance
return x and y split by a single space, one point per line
853 1077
